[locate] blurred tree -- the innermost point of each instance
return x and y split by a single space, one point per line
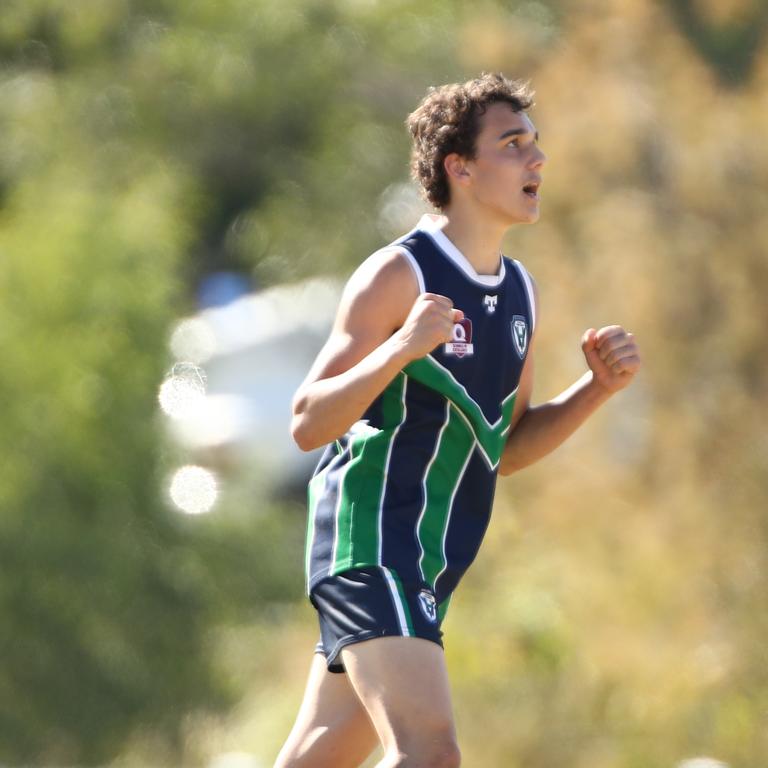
728 35
104 617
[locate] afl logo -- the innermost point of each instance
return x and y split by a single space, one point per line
428 605
461 343
520 335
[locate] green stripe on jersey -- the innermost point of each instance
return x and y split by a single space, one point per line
362 485
342 545
455 446
491 437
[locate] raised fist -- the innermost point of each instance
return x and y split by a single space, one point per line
612 355
429 323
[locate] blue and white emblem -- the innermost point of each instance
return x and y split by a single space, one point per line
428 605
520 335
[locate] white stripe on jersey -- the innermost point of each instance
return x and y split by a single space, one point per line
424 481
450 509
415 267
339 500
380 543
403 251
529 290
397 601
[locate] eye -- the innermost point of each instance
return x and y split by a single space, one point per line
514 142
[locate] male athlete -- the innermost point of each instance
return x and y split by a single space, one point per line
421 396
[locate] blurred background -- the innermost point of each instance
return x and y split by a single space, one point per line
184 187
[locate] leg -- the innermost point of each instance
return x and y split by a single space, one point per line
332 729
403 684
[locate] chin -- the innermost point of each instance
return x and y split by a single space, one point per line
528 214
527 217
533 217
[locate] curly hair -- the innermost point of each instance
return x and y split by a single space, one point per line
447 121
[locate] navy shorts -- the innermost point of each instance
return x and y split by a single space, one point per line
364 603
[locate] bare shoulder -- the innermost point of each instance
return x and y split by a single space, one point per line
380 292
375 303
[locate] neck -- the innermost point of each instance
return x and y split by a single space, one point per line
477 238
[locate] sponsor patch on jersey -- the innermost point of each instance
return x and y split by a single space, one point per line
490 303
428 605
461 344
520 334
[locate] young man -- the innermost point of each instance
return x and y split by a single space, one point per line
422 396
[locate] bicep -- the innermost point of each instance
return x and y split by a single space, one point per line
375 303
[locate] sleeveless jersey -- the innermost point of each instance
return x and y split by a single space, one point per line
411 485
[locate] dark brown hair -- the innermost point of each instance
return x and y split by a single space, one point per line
447 120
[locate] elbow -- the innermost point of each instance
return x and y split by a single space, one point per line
300 426
301 433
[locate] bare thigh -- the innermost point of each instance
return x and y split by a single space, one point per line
332 728
403 684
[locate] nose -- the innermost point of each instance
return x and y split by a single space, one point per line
539 158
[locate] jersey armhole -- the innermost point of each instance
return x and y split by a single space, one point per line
409 257
530 293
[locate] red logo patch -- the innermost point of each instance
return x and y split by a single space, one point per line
461 343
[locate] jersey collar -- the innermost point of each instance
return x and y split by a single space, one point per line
433 226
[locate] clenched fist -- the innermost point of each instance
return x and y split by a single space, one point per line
429 323
612 355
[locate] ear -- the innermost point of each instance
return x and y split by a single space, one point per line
456 167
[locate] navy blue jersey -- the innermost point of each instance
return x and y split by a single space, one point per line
410 487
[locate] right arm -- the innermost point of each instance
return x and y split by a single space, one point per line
382 324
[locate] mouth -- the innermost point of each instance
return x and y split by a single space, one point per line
532 189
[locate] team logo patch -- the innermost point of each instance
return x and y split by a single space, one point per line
490 303
428 605
461 344
520 334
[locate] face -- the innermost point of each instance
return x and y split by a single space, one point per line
505 175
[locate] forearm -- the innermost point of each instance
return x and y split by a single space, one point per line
543 428
325 409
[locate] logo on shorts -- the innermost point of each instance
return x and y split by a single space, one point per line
428 605
461 344
520 334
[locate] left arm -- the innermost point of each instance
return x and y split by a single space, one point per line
612 356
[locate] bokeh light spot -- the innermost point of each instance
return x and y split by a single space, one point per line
194 489
193 339
183 390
